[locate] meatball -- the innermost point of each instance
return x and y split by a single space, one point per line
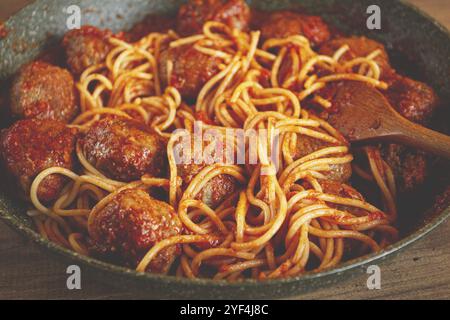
43 91
414 100
86 47
33 145
130 225
217 189
410 167
346 191
307 145
284 24
193 15
340 190
151 23
190 70
359 47
124 149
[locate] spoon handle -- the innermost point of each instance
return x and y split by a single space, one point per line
425 139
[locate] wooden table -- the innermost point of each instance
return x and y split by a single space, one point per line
418 272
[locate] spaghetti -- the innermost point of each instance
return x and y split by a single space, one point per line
282 221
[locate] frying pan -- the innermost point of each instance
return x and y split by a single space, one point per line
417 39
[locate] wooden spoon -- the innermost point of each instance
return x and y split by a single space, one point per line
365 115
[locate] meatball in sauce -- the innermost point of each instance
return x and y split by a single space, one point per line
187 69
86 47
124 149
344 191
130 225
414 100
43 91
31 146
283 24
193 15
214 191
307 145
359 47
410 166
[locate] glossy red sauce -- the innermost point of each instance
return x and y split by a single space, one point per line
3 31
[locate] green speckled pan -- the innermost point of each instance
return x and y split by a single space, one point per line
416 38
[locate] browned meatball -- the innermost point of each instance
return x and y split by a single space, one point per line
216 190
43 91
130 225
193 15
151 23
340 190
124 149
414 100
86 47
346 191
307 145
410 166
31 146
284 24
359 47
190 70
